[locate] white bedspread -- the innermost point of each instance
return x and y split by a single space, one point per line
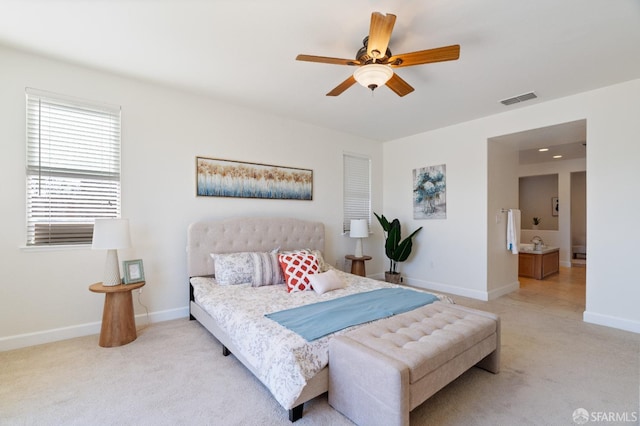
284 360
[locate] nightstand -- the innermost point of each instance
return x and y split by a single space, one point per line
118 322
357 264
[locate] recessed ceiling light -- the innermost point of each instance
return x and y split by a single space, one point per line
557 156
543 149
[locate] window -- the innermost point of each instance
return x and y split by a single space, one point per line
357 189
73 168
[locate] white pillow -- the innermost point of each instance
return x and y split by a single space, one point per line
232 268
326 281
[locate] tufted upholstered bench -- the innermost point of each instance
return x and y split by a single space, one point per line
380 372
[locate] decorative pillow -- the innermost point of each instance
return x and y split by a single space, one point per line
233 268
321 262
317 253
266 269
326 281
296 268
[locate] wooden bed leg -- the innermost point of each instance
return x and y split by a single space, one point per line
296 413
225 351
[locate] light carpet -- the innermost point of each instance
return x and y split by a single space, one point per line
174 373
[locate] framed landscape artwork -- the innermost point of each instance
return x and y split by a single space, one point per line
225 178
430 192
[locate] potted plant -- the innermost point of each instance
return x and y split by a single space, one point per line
396 249
536 222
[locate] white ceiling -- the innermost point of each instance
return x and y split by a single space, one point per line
243 52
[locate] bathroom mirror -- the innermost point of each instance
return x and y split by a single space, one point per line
538 197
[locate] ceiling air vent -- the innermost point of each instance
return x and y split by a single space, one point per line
519 98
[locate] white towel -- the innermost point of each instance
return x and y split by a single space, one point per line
513 230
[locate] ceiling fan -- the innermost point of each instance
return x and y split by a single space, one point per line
375 61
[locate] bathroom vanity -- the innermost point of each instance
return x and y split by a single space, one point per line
538 263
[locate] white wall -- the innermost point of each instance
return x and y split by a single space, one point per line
613 174
452 254
502 182
449 254
44 293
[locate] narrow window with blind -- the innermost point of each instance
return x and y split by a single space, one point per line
357 189
73 168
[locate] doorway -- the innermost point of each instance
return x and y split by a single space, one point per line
554 150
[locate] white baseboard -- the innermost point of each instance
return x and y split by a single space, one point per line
48 336
167 315
63 333
465 292
498 292
611 321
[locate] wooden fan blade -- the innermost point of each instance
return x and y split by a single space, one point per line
380 34
327 60
342 86
440 54
399 86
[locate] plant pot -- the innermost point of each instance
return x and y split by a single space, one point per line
534 227
392 277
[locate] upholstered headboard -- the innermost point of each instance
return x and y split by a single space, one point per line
248 234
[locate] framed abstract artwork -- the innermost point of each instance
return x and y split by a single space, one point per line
430 192
226 178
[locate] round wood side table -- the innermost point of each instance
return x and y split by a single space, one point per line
357 264
118 322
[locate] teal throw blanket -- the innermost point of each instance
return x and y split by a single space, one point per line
322 318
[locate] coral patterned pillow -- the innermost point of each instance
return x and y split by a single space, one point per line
296 268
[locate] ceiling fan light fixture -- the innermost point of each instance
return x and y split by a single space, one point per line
373 76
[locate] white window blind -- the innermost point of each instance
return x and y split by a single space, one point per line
73 167
357 189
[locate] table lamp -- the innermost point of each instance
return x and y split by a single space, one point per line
111 235
359 229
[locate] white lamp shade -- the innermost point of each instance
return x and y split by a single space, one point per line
359 228
373 75
111 234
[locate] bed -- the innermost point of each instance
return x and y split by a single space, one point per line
293 369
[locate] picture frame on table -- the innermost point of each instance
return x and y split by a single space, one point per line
133 271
